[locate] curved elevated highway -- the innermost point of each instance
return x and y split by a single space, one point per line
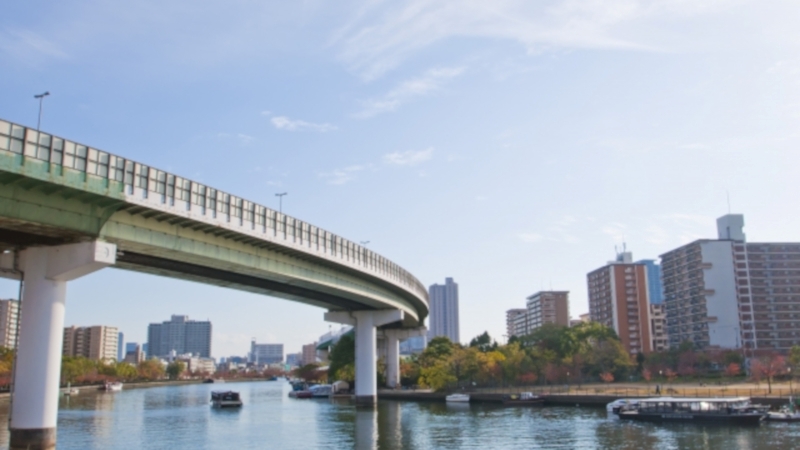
67 209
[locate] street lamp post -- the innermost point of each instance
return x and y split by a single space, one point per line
280 201
790 380
40 97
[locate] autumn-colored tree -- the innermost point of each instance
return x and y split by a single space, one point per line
552 373
514 363
527 378
687 364
607 377
647 375
671 375
770 365
756 371
150 369
409 371
308 373
437 377
732 370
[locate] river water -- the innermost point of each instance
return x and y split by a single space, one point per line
179 417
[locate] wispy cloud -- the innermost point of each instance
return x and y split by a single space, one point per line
28 46
243 139
430 81
408 158
384 34
560 230
616 230
530 237
398 159
343 176
287 124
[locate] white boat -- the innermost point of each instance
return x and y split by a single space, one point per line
70 391
225 399
457 398
787 413
321 391
111 387
615 406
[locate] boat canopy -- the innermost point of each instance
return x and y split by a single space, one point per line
694 399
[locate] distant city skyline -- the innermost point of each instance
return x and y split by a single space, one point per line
510 146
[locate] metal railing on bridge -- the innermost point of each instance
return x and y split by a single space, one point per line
179 192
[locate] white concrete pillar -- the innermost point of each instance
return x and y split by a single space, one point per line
366 323
45 272
392 338
392 360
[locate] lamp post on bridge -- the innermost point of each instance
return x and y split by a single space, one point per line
40 97
280 201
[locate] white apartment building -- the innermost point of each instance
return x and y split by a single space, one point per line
9 317
264 354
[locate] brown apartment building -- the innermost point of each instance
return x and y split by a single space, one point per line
98 342
619 299
547 307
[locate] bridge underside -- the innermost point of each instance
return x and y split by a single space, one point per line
38 213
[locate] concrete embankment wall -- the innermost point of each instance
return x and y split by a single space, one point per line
550 400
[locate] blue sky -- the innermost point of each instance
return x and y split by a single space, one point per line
508 144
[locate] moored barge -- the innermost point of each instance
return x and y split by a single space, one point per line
734 411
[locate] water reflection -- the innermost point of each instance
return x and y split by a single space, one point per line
181 417
366 427
390 425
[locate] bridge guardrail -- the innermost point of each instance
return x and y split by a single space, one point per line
177 191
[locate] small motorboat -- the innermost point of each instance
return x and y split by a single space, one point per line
457 398
111 387
225 399
321 391
69 390
787 413
301 394
213 380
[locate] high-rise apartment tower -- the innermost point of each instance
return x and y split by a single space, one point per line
180 335
443 301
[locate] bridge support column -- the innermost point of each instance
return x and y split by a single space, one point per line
45 272
366 323
392 338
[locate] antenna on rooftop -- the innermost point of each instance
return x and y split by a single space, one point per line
728 195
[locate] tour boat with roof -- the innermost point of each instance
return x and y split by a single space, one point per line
734 410
225 399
